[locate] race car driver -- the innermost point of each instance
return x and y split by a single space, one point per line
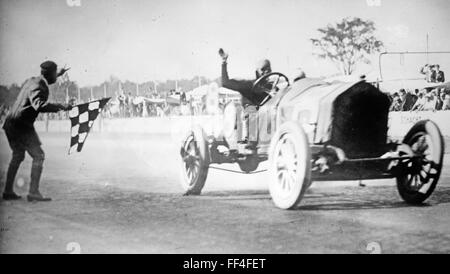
244 87
250 97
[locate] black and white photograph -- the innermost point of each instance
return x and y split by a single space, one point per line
240 127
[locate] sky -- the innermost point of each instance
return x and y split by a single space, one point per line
141 40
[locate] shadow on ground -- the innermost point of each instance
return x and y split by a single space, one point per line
349 198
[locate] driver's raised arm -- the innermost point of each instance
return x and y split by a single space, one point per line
244 87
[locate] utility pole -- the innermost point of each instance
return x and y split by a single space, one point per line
104 90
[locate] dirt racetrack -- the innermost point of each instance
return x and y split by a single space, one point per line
121 194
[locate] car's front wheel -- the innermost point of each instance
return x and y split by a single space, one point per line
419 176
289 166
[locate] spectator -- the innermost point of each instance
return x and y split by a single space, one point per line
183 97
409 101
128 104
416 95
121 99
428 71
440 101
392 96
446 102
402 95
396 104
419 103
430 103
439 74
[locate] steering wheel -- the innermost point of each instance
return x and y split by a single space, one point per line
268 87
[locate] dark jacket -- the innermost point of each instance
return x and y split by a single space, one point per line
244 87
409 101
439 76
31 100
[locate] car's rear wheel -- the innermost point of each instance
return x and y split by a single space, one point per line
289 166
419 176
194 161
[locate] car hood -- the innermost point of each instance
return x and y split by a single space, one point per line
309 102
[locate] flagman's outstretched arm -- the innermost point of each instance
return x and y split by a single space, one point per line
39 102
62 71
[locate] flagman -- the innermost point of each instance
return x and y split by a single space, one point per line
20 132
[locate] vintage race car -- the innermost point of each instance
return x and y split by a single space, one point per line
312 130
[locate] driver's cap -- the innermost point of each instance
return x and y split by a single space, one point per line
263 64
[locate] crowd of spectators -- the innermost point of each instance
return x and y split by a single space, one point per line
428 99
424 100
128 105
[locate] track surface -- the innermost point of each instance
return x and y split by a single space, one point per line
121 194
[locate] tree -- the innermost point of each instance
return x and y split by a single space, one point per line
347 43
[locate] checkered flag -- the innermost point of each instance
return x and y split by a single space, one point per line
82 118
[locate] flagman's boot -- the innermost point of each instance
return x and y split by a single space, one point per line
37 198
10 196
8 193
36 171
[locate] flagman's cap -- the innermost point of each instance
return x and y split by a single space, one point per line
49 66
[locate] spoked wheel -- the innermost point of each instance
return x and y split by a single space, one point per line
289 166
419 176
194 161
